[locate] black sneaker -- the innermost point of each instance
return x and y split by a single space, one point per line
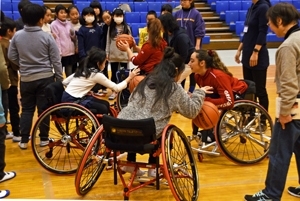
294 191
259 196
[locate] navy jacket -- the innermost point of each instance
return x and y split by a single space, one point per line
87 38
256 21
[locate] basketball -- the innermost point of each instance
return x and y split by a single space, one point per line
208 116
125 37
135 81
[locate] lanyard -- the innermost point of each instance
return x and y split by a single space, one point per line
186 20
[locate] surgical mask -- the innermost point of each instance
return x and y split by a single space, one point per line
89 19
118 20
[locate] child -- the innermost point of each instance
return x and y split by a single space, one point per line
158 96
143 33
152 50
96 5
47 20
21 5
210 71
73 13
116 57
65 38
166 8
87 76
106 17
90 33
7 31
37 62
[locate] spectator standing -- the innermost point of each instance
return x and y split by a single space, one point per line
37 62
255 56
283 21
7 31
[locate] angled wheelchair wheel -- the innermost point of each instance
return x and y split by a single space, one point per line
244 132
179 165
91 164
60 136
122 98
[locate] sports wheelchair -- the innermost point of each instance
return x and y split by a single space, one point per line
178 166
67 127
242 134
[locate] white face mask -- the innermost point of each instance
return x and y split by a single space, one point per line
118 20
89 19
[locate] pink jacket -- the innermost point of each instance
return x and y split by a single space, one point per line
64 39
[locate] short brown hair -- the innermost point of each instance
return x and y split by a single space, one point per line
287 12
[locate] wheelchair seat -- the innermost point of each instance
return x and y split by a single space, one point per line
129 135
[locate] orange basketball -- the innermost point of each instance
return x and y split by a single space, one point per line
134 82
208 116
125 37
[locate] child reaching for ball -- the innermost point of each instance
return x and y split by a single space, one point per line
158 96
86 76
210 71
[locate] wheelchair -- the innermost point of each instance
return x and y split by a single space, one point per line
178 168
67 127
123 96
242 133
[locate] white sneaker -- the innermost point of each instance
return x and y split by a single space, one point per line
112 96
152 173
4 193
44 143
9 135
23 145
8 176
130 169
17 139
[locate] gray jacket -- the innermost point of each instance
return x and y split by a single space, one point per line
36 52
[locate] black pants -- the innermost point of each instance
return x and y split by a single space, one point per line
192 83
14 108
114 68
33 96
2 151
105 72
260 79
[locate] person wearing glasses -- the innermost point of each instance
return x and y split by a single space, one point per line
283 21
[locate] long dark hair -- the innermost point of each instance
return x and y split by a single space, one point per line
162 78
112 27
89 64
97 4
212 60
169 23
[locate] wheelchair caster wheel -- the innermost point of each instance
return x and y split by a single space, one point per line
200 157
49 154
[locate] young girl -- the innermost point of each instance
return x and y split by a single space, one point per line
116 57
74 19
210 71
158 96
47 20
152 50
65 38
96 5
106 17
90 33
87 76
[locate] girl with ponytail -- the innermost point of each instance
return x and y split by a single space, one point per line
158 95
210 71
88 74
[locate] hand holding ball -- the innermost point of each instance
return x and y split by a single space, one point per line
124 41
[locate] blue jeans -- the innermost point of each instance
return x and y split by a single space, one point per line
283 144
33 95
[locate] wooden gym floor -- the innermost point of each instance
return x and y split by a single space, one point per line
220 179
